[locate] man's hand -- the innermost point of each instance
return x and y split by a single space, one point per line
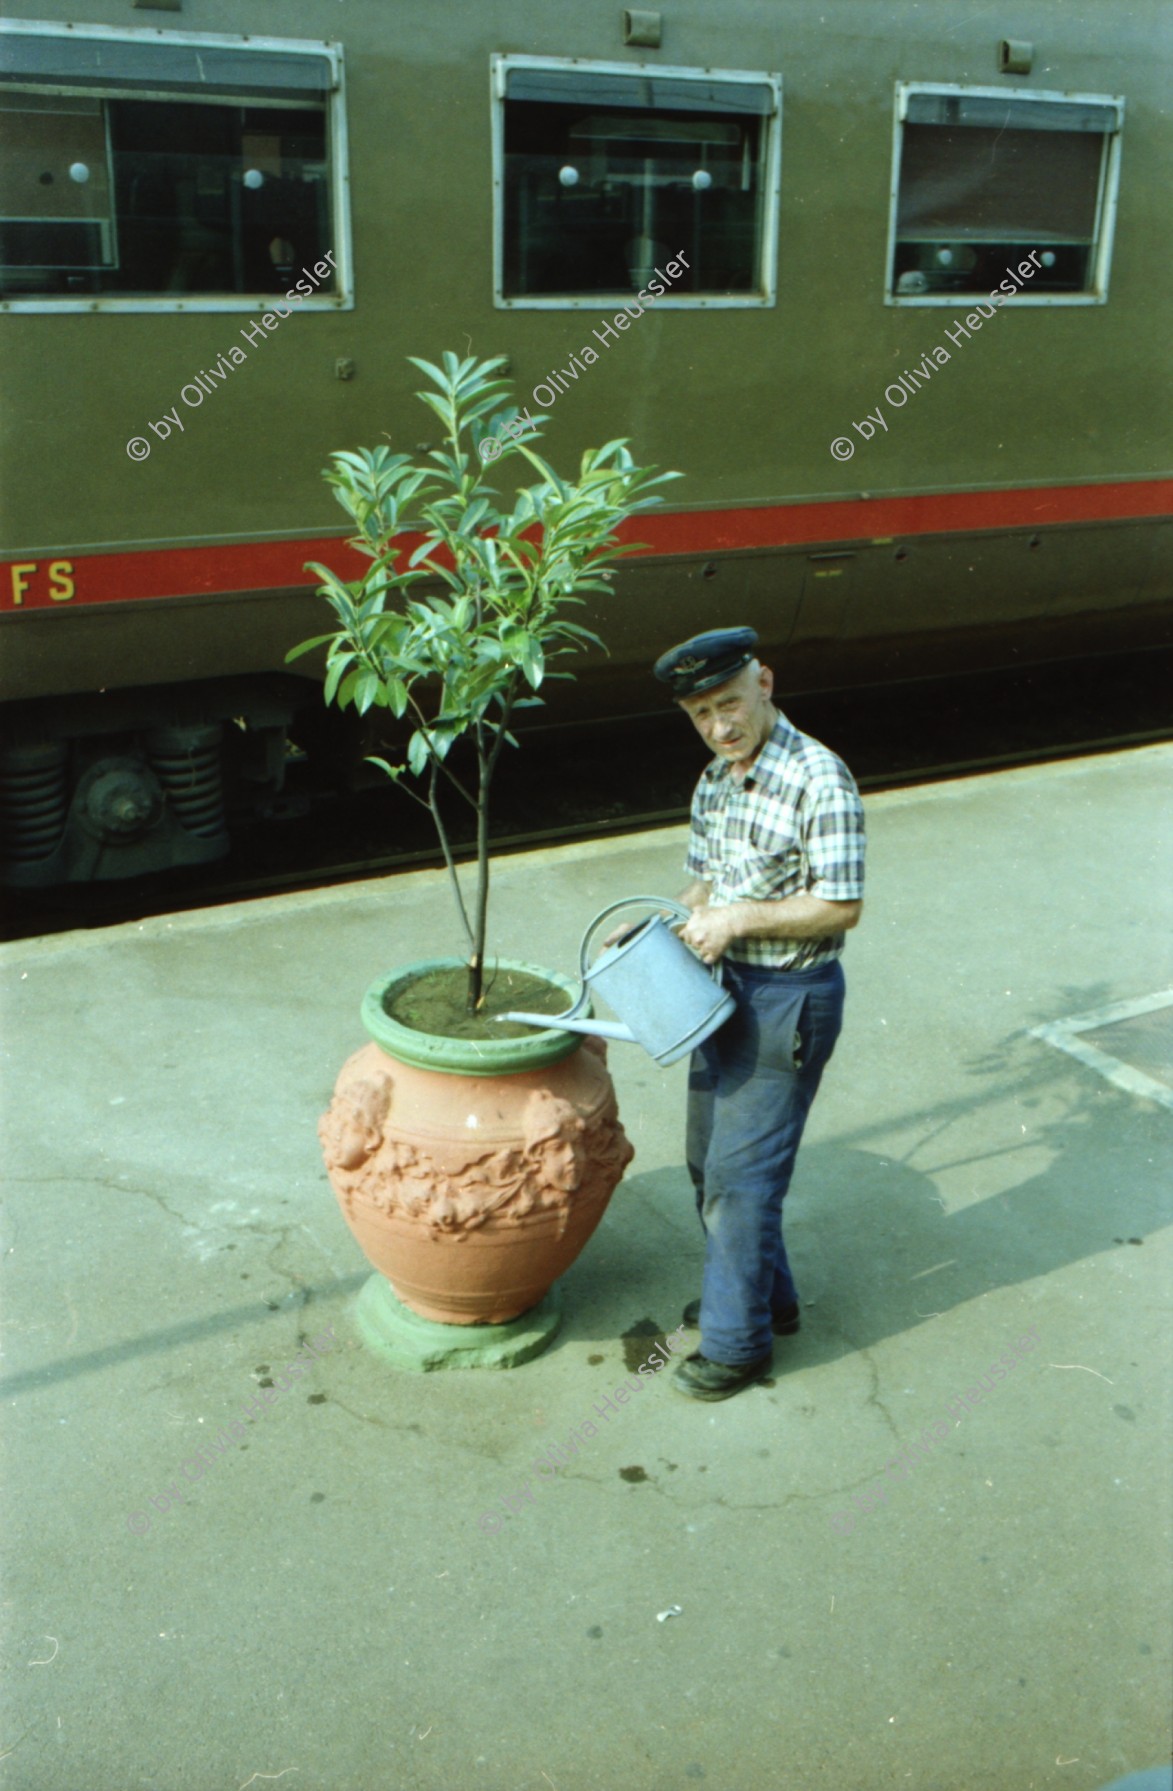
695 896
710 932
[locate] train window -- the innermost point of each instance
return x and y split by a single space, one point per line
168 171
603 172
983 177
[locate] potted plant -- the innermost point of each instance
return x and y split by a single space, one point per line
470 1199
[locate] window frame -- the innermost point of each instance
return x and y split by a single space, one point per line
336 140
765 296
1106 196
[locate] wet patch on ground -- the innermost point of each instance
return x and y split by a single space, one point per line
639 1339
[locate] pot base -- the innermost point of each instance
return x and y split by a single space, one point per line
402 1339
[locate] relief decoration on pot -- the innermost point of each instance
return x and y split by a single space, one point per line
561 1157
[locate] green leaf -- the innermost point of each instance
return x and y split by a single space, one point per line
432 371
417 752
393 771
334 672
331 584
580 633
474 515
319 640
365 691
347 688
544 468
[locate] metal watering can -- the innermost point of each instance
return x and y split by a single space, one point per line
668 998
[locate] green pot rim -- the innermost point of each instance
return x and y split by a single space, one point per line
468 1057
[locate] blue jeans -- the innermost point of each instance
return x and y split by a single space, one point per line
749 1092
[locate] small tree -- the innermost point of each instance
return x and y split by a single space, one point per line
461 660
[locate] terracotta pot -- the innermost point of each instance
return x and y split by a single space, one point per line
472 1173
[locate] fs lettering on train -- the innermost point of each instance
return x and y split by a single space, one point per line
33 581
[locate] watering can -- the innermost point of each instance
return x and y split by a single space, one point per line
670 1001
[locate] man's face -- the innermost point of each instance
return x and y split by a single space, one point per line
735 718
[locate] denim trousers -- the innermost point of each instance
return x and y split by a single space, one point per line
750 1088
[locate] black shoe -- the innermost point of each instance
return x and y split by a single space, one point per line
698 1378
786 1323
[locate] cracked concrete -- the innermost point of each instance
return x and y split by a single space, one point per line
359 1594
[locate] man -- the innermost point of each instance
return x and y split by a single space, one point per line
776 854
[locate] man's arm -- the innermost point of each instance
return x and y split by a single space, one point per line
697 895
711 931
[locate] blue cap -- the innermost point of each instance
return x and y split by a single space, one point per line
706 660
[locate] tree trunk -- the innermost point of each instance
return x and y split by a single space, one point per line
487 757
476 963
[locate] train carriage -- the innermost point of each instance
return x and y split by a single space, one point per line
909 355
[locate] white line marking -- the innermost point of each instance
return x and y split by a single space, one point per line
1063 1034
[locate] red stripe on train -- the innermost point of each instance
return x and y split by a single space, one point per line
52 582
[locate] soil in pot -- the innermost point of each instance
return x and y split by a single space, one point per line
437 1002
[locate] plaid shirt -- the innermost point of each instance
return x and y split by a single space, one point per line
794 826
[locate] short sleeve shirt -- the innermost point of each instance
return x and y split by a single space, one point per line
793 826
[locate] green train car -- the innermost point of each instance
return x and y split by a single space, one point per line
886 285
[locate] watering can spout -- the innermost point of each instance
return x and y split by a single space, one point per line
600 1029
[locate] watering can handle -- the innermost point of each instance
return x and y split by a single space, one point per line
681 912
657 902
605 914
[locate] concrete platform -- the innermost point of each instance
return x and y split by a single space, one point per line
382 1586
